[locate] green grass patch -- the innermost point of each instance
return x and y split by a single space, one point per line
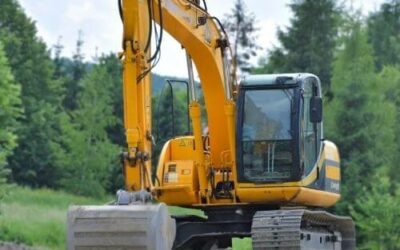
173 210
242 244
37 217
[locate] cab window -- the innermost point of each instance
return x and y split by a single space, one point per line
309 140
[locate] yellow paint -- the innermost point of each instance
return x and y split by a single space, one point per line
195 115
287 196
137 95
333 172
230 108
179 183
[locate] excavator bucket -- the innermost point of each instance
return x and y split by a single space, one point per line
130 227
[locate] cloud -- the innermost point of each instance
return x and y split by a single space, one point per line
100 23
78 13
267 33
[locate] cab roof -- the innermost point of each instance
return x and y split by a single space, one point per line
272 79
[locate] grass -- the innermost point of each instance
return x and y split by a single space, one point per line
185 211
38 217
242 244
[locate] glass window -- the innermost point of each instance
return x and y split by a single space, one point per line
267 115
308 133
266 135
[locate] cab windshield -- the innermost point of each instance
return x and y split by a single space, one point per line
266 135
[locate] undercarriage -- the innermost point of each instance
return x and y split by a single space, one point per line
151 227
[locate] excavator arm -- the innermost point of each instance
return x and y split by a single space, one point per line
206 44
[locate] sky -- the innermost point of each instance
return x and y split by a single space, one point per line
100 25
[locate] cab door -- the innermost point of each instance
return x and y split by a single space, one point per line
310 131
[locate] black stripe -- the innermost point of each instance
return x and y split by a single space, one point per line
331 163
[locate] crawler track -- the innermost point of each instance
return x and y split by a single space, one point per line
301 229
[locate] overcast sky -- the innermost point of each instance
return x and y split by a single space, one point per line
101 27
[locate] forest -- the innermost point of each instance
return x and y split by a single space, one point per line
61 118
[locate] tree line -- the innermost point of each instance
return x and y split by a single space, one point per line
61 118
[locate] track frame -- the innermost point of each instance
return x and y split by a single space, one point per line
270 228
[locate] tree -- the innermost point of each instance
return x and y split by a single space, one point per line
113 67
359 118
116 133
389 78
241 27
33 162
383 33
58 60
308 43
90 156
10 111
377 216
74 74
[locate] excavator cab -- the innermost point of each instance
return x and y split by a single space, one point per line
279 127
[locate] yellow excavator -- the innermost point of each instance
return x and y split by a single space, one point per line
262 170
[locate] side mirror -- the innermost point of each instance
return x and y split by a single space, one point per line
316 109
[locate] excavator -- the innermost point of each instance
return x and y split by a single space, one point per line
262 170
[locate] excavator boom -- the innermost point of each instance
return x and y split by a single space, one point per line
205 44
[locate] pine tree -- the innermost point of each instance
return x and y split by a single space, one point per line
90 156
359 119
116 133
10 110
74 74
34 158
383 32
308 43
241 27
389 79
113 66
377 215
58 60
